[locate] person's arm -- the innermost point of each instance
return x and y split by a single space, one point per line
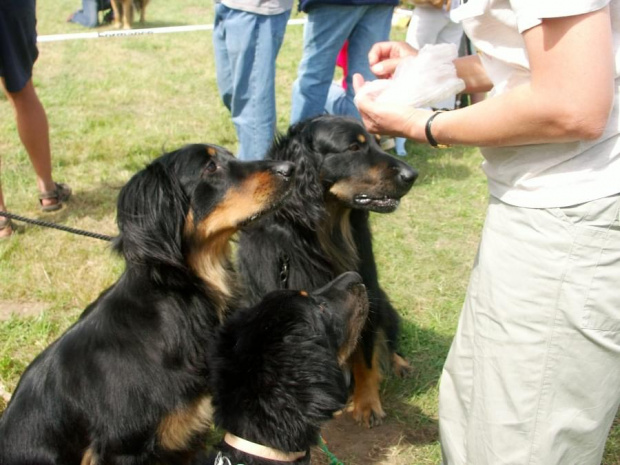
568 99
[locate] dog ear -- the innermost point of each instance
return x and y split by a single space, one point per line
305 204
151 213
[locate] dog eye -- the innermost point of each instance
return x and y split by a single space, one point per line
354 147
322 306
211 167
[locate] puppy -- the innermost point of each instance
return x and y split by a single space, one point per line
322 230
123 12
128 383
279 370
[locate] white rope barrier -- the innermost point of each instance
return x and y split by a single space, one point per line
137 32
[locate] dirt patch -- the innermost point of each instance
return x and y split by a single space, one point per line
353 444
21 309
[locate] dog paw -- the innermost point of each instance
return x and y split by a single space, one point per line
401 366
368 415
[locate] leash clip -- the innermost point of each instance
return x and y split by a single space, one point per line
284 271
222 460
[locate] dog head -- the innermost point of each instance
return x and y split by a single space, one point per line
184 206
337 159
278 368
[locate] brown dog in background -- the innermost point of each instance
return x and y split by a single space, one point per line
123 12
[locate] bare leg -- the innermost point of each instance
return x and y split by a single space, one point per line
33 131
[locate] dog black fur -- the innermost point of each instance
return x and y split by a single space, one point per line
128 383
322 230
279 369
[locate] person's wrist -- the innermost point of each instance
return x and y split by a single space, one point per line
414 128
428 131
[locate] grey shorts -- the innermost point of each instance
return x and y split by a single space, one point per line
533 374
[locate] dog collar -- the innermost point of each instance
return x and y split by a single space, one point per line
261 451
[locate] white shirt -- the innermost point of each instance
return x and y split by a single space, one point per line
541 175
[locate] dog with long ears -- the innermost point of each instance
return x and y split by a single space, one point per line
322 229
129 382
279 370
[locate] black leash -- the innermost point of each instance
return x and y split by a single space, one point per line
47 224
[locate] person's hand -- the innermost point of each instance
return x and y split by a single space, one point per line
387 118
385 56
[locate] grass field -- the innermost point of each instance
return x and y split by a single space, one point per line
114 104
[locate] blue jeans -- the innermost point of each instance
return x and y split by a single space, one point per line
88 16
325 32
246 46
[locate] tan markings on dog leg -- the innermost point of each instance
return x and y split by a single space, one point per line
143 4
178 429
401 366
127 13
367 407
336 238
116 13
89 458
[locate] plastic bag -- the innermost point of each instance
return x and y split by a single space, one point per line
420 81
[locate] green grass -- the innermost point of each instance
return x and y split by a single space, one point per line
114 104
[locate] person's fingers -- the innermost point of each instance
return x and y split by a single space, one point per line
358 82
379 52
385 68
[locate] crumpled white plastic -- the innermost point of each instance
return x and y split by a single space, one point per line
419 81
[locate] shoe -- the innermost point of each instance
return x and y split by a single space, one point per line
401 151
61 194
6 227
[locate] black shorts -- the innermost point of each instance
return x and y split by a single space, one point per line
18 42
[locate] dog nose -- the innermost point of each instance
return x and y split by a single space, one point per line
284 169
407 174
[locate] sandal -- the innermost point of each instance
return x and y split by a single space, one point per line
5 223
61 193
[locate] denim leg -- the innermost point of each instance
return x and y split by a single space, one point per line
223 67
247 46
88 15
327 28
374 26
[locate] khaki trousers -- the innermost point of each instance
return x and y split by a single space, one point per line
533 374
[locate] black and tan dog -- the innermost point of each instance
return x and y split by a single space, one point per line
278 370
322 230
128 383
123 12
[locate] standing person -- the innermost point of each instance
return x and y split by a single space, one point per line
329 24
18 52
430 25
247 37
88 16
533 373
